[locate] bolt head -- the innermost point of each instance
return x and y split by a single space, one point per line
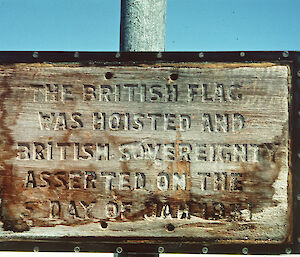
161 249
285 54
245 250
119 249
204 250
288 250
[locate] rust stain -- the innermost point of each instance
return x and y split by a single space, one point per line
257 184
181 167
257 180
66 136
112 139
10 186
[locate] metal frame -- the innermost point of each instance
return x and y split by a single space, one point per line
151 246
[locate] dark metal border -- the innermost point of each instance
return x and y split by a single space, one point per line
144 245
115 58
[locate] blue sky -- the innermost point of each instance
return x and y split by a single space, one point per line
192 25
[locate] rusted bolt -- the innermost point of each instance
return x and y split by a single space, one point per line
201 55
36 249
285 54
35 54
76 55
170 227
160 249
245 250
76 249
174 76
119 249
108 75
204 250
159 55
104 224
288 250
242 54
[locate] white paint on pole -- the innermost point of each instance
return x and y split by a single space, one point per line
143 25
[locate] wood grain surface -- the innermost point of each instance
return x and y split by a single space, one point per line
196 152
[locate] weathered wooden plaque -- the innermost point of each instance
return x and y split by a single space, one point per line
198 152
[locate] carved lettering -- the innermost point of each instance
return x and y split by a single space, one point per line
179 181
112 210
55 209
163 181
60 121
220 181
52 93
214 92
30 179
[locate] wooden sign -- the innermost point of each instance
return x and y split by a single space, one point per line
191 152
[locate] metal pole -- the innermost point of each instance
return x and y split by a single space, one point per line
143 25
143 29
